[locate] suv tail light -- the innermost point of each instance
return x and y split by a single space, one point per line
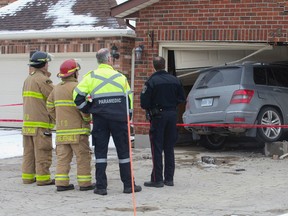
242 96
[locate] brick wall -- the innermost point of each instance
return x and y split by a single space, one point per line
125 46
205 20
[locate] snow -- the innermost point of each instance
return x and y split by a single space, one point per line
120 1
63 15
14 7
65 19
11 143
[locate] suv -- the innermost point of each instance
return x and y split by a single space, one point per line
250 95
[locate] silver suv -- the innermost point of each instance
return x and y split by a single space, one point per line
250 95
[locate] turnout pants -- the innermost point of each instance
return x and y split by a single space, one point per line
64 154
163 136
102 128
37 158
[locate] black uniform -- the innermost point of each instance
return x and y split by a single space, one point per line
160 96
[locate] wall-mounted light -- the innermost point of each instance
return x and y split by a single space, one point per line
139 51
114 52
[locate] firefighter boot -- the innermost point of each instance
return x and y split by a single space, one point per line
91 187
65 188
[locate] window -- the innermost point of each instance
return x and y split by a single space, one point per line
259 75
220 77
281 75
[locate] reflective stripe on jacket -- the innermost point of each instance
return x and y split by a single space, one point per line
69 120
36 90
107 89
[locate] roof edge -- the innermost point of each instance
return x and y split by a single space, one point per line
15 35
130 7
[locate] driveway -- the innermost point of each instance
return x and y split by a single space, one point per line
235 181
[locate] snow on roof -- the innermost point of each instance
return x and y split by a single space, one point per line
35 16
63 15
13 8
120 1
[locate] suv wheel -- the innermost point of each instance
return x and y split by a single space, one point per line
213 141
269 116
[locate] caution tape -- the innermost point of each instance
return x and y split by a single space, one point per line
6 105
190 125
218 125
178 125
10 120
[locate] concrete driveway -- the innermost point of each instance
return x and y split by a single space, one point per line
238 182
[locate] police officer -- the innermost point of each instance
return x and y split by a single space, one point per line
36 130
159 97
72 130
107 89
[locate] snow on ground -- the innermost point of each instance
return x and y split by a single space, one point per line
11 142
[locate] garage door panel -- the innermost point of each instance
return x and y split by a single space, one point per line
14 70
203 58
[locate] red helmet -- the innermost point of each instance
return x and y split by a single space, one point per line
68 68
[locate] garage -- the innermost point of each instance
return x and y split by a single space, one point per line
14 72
185 60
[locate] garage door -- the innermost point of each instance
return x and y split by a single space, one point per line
190 57
14 71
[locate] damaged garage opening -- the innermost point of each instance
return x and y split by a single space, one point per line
189 58
185 60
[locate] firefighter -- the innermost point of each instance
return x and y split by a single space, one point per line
36 130
72 130
107 89
160 96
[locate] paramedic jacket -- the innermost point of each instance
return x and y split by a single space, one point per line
107 89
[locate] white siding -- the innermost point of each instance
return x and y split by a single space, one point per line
14 70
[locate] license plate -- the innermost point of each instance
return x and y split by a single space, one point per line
207 102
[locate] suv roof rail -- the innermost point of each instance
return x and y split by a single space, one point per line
280 62
249 62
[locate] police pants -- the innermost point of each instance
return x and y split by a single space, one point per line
37 158
163 136
102 128
64 154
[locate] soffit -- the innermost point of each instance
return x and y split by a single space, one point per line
130 8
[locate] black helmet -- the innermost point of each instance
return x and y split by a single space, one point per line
39 58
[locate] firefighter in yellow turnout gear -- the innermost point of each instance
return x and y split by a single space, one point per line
36 130
72 130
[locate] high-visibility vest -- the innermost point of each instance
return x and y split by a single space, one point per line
107 89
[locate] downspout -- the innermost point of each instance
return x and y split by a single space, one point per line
132 89
133 70
129 25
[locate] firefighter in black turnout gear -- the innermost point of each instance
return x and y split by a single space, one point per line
107 89
160 96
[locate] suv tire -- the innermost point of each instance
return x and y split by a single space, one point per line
269 116
213 141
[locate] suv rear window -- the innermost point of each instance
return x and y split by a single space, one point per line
220 77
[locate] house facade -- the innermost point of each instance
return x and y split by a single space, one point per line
195 34
66 29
